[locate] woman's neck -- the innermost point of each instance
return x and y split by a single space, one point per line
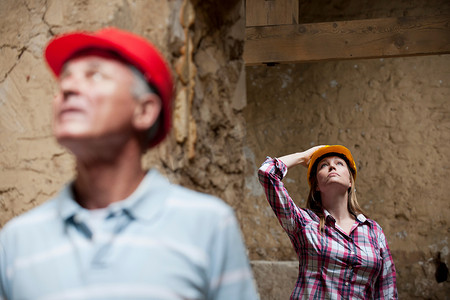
337 206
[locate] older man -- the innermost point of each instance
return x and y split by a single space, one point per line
118 231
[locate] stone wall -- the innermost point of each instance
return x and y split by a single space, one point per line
393 114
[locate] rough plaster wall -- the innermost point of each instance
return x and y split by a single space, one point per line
216 164
202 40
33 166
29 157
394 114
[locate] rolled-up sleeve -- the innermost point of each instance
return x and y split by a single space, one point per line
270 175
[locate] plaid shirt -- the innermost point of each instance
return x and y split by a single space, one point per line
332 265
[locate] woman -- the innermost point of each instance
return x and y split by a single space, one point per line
342 254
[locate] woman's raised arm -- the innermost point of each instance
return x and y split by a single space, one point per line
299 158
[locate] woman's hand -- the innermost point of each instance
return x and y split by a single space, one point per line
299 158
307 155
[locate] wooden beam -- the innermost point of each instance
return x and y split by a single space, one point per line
372 38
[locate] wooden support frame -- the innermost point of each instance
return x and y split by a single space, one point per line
371 38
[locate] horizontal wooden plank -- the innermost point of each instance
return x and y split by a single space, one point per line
372 38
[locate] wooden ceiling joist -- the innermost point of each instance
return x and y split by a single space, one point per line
356 39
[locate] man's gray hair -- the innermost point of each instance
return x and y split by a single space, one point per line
140 88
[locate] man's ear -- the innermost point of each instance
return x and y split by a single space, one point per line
147 111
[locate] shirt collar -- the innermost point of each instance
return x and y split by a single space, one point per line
328 215
144 203
360 218
67 206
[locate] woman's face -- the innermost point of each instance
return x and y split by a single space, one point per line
333 172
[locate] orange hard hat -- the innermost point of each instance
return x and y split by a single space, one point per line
330 150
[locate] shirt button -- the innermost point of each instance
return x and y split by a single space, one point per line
346 283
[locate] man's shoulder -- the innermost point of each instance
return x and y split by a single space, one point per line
34 217
177 195
187 199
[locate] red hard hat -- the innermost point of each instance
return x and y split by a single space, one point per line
132 48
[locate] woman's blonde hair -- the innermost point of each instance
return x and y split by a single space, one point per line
314 201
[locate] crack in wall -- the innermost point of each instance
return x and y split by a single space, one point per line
20 52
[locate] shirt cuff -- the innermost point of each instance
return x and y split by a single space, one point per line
281 167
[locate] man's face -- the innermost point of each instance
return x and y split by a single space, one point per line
94 102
